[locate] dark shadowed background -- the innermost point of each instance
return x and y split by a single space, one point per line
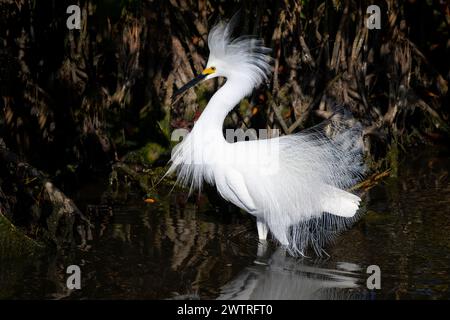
85 132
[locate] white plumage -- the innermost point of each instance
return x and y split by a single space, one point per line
290 183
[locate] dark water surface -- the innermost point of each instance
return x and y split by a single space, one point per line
178 249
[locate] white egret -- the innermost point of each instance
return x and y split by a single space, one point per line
291 183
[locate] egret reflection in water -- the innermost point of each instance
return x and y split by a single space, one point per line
280 276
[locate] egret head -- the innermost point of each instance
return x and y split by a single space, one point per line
243 58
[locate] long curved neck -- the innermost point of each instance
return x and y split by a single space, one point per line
221 103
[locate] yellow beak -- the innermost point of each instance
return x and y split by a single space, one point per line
209 70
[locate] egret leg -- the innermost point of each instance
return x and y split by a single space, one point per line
262 248
262 229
